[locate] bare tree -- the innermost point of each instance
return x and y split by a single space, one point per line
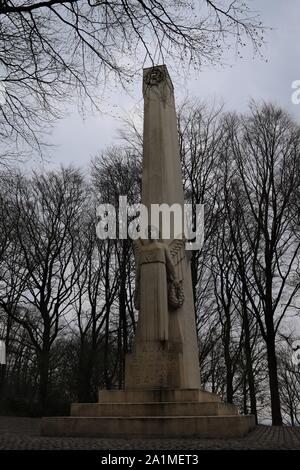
51 48
38 287
97 287
289 382
200 141
225 276
115 173
267 162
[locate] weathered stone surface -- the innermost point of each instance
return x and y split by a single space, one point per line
170 333
171 395
153 409
157 369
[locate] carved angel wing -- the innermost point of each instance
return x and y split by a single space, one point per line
177 252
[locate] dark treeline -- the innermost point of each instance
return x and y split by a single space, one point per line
66 297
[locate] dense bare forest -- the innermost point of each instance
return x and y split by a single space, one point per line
66 297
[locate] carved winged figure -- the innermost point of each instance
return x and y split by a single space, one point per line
158 284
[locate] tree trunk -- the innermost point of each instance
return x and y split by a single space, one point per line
227 357
2 377
194 272
107 375
43 362
84 374
248 355
273 381
271 349
245 397
123 335
84 384
292 414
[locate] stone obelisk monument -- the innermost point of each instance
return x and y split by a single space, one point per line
162 395
165 351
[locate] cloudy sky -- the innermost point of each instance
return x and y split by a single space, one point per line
263 78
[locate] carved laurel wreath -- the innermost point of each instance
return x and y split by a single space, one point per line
154 76
175 295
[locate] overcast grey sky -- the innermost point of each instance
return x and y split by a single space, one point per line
267 78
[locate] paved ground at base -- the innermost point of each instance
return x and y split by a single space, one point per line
24 433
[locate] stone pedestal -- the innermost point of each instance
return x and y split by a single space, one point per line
168 413
154 365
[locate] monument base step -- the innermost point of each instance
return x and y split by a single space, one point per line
152 413
150 427
158 395
153 409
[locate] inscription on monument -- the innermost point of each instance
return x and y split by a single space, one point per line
151 369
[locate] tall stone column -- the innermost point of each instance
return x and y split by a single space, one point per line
165 353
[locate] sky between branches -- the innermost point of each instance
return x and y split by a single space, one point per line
238 80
